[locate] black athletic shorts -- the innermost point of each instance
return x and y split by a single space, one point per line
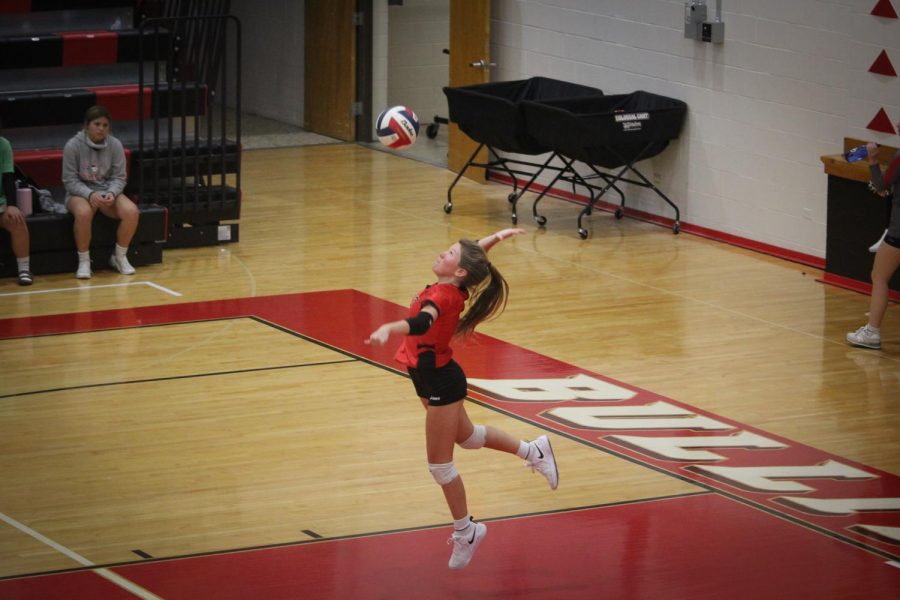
892 241
441 386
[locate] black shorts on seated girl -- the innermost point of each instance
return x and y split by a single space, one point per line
428 357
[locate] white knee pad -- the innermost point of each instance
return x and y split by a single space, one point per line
443 473
476 440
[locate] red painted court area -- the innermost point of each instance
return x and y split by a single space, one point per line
756 532
702 546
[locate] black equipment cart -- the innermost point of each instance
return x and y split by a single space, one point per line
490 114
613 132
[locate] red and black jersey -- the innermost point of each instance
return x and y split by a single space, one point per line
432 349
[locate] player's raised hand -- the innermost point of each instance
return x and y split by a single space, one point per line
379 337
488 242
508 233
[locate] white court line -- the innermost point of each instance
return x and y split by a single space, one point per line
95 287
102 572
248 272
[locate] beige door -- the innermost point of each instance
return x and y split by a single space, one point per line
470 44
330 63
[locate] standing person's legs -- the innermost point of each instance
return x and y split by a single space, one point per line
83 213
887 259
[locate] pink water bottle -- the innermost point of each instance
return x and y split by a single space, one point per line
23 200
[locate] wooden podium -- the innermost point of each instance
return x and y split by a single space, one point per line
856 219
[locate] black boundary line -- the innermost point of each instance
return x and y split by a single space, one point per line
175 377
141 553
351 536
483 404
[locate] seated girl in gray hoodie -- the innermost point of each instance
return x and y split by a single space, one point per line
94 175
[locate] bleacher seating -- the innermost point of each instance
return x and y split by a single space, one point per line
59 57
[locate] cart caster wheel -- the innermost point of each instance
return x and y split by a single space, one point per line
541 220
448 208
582 233
620 213
512 197
431 131
676 228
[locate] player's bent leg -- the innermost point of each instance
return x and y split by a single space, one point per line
476 439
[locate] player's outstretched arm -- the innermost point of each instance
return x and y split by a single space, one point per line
414 326
380 336
488 242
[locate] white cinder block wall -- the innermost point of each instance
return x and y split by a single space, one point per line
419 30
272 70
789 83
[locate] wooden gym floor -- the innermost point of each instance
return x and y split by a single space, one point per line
214 426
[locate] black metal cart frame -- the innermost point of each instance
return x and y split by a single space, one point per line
568 174
502 163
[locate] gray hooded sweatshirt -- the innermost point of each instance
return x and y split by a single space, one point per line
90 167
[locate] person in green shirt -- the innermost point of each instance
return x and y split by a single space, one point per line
11 218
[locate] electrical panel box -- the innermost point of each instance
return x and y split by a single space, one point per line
712 32
696 25
694 16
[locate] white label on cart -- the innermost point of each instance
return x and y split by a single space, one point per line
642 116
632 126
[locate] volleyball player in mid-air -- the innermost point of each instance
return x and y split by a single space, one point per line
464 273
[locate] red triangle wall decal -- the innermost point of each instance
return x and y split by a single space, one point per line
881 123
883 65
884 8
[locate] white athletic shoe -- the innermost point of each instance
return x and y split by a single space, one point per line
541 459
865 337
874 247
84 270
121 265
465 543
